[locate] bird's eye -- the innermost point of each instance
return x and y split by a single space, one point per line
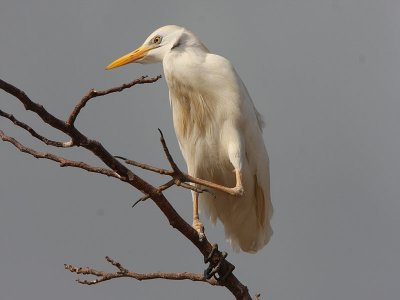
157 39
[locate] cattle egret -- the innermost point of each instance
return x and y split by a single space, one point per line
219 133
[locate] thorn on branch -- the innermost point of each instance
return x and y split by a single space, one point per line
159 189
144 198
120 157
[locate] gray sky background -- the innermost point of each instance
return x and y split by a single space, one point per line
325 74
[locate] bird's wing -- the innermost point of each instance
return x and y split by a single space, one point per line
238 106
257 156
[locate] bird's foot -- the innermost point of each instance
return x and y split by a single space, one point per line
199 227
238 191
216 265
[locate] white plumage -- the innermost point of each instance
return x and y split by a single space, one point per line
219 132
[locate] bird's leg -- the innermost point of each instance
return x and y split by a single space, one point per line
196 220
238 189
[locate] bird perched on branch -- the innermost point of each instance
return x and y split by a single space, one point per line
219 132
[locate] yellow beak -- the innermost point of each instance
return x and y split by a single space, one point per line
130 57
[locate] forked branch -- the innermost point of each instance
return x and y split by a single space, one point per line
123 272
117 170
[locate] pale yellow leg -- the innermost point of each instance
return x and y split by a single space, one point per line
196 220
238 189
234 191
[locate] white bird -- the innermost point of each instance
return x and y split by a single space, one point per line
219 132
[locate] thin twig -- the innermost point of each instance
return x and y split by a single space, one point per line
160 189
79 138
34 133
145 166
123 272
168 154
61 160
93 94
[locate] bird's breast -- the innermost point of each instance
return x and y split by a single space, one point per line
193 110
197 127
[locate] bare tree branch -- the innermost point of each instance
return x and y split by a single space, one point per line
123 272
34 133
145 166
93 93
168 154
63 161
218 263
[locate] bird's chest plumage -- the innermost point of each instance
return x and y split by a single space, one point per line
194 116
193 107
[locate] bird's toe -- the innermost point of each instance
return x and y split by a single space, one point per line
199 227
238 191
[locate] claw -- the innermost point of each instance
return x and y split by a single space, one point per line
238 191
199 227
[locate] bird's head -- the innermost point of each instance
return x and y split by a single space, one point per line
155 47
